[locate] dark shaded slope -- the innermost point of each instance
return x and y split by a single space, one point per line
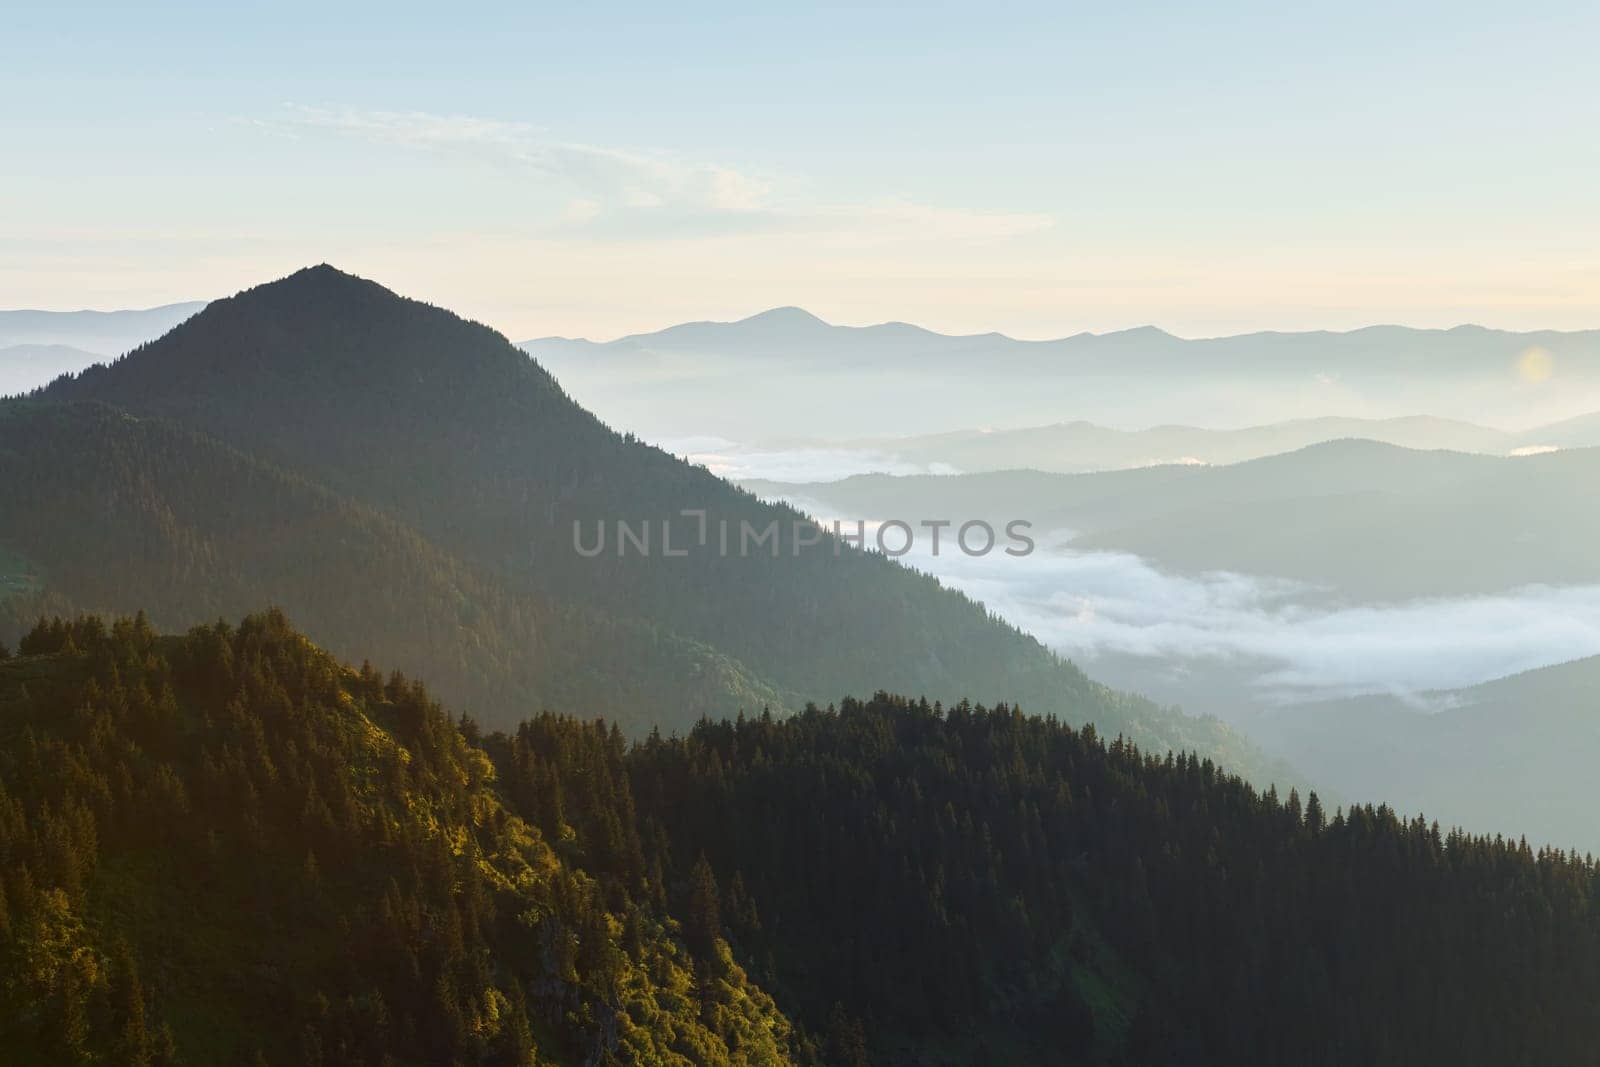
116 511
986 887
449 428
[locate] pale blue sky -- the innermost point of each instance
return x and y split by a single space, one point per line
1034 168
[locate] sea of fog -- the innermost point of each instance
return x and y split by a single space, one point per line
1211 641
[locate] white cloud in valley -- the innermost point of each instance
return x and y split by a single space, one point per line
1087 604
1281 639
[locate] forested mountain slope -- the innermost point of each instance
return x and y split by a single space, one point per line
114 511
227 846
984 876
446 428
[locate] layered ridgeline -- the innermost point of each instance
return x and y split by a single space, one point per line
36 347
1363 518
787 374
100 335
1354 565
227 847
470 452
1082 447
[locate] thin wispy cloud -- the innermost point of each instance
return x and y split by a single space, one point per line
619 192
609 176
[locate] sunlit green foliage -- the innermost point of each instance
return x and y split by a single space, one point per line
227 845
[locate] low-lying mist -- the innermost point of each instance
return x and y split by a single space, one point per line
1228 642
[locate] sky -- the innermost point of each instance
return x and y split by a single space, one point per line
602 169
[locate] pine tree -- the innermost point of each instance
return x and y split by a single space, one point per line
702 924
128 1010
1315 818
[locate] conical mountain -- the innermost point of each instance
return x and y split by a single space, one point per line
387 399
447 428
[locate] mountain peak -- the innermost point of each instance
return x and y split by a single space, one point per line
773 326
1140 333
783 316
322 278
318 339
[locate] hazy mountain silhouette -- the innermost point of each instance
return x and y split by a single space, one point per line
1362 518
24 368
1582 431
446 428
1513 756
1081 447
104 333
785 373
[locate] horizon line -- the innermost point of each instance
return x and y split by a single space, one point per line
795 309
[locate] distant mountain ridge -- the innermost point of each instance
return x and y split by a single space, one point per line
787 373
796 321
104 333
36 347
629 381
1360 517
1083 447
26 367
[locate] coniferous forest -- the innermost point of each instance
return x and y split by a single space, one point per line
227 846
